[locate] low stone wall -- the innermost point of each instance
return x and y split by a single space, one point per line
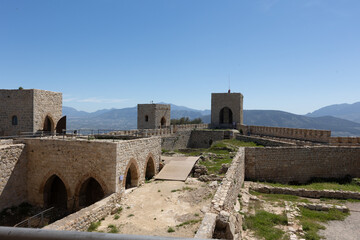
345 141
189 126
6 142
300 164
13 172
263 141
322 136
81 220
179 140
223 216
301 192
204 138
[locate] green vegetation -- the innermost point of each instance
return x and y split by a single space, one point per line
310 219
190 222
170 230
119 210
183 189
93 226
349 186
279 197
185 120
263 224
220 152
131 215
116 216
113 228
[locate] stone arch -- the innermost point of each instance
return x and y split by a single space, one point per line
90 192
132 175
150 167
48 125
163 122
55 192
226 116
81 182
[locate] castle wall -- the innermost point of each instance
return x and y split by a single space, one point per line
300 164
345 141
73 161
16 103
46 103
139 152
13 174
293 133
178 140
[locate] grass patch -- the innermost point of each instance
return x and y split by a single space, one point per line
119 210
170 230
113 229
350 186
310 219
279 197
93 226
116 216
131 215
190 222
263 224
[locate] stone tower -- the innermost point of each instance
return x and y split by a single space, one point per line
226 110
151 116
29 110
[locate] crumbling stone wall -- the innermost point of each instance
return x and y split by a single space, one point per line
300 164
322 136
81 220
12 175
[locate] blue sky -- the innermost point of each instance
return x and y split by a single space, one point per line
290 55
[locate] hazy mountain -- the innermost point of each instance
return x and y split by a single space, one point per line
126 118
345 111
271 118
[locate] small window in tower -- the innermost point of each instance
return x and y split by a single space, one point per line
14 120
146 118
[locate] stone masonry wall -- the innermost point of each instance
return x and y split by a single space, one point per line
234 101
16 103
345 141
300 164
46 103
263 141
81 220
12 175
204 138
294 133
154 112
73 161
179 140
137 151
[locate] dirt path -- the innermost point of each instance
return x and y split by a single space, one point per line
347 229
159 205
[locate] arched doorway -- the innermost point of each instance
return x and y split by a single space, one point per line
61 125
132 176
163 122
226 116
150 169
55 193
90 192
48 124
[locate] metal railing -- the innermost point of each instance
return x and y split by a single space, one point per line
9 233
35 221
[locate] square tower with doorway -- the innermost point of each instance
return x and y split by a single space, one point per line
226 110
27 111
151 116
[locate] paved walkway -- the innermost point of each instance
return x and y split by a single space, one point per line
176 168
349 229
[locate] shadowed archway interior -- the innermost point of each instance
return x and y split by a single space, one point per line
55 194
90 192
226 116
150 169
132 177
48 127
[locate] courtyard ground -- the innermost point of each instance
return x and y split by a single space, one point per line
161 208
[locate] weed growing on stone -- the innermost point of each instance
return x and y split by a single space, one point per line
170 230
113 228
116 216
119 210
263 224
93 226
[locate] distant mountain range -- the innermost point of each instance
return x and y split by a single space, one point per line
126 118
345 111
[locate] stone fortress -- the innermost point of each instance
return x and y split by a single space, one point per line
91 175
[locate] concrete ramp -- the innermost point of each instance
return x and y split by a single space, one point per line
176 168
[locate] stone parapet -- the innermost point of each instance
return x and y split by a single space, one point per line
345 141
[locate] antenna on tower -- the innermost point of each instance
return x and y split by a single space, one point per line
229 91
